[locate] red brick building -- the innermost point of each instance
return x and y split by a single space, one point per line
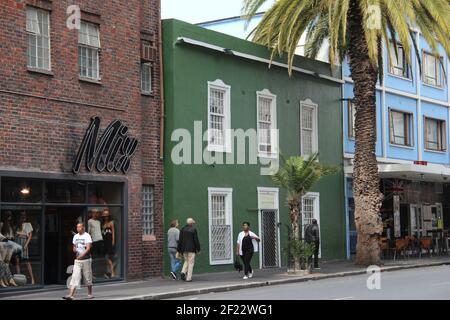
56 74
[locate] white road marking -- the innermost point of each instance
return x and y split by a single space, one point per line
344 298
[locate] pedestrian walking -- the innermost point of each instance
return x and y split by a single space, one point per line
173 236
247 244
312 236
82 244
188 246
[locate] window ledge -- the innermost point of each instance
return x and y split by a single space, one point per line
148 94
218 149
94 81
432 86
148 238
40 71
268 155
399 77
402 146
435 151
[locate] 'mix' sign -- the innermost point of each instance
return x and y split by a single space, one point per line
112 152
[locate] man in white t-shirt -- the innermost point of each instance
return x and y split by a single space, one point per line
82 244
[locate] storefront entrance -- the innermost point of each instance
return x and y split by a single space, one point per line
39 216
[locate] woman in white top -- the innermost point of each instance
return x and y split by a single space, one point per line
247 244
24 234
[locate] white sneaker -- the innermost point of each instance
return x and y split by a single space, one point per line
245 278
250 275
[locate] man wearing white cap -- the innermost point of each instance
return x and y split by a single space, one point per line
189 246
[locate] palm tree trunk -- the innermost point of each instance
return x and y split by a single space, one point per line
294 213
367 193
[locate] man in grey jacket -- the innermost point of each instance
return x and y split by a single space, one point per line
173 235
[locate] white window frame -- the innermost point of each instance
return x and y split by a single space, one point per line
228 193
150 66
226 146
90 49
405 68
273 124
439 72
442 134
275 192
316 215
308 103
410 134
37 35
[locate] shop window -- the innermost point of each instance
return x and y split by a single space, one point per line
399 65
104 193
432 69
65 192
21 190
20 246
401 128
435 135
148 209
38 33
220 214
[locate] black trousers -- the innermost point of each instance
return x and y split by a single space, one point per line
246 258
316 254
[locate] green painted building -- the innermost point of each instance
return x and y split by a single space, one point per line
219 88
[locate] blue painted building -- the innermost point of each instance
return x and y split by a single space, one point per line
412 140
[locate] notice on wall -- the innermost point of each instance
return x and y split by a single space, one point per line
396 207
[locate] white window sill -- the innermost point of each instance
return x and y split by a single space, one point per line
435 151
221 262
400 77
90 80
433 86
41 71
268 155
401 146
148 94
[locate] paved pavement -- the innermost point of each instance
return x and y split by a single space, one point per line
431 283
219 282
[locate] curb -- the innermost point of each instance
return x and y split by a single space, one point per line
227 288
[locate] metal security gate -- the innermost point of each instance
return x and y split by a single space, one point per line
269 239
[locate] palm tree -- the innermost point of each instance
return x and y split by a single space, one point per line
357 29
297 176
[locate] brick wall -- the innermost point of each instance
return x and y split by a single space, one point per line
43 116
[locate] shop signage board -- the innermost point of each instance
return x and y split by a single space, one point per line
112 152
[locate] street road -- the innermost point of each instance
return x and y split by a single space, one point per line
431 283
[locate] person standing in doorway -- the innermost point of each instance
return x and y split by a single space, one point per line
109 239
247 244
189 246
312 236
82 244
173 236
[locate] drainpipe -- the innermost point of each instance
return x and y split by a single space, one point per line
161 84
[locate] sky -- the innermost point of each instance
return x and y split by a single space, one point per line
196 11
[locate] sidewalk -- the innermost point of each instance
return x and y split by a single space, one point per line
156 289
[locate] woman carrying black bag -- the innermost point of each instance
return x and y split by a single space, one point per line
247 244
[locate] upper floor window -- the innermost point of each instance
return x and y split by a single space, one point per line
399 64
88 50
351 119
400 128
219 123
435 134
38 34
309 128
148 57
267 123
432 70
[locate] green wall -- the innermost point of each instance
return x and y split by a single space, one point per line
187 69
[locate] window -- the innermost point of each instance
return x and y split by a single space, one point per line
435 135
38 33
220 225
266 110
399 64
218 117
148 209
146 77
309 134
88 50
400 128
432 70
351 120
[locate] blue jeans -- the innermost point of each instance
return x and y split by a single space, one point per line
174 262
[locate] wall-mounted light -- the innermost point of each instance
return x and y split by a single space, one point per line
25 191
